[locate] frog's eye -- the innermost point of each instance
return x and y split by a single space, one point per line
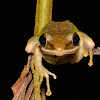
76 39
42 40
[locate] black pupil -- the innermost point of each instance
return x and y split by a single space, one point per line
76 39
42 40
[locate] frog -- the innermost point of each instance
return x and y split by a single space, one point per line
59 43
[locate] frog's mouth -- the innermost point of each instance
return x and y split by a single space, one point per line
59 53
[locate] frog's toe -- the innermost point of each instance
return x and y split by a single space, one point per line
48 93
54 76
49 73
90 64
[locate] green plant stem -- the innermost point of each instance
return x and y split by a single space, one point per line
43 16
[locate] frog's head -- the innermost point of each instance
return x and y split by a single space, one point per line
60 38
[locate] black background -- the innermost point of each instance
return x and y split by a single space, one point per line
74 82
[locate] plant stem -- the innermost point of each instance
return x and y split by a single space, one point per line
43 14
37 86
42 18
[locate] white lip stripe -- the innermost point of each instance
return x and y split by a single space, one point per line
59 53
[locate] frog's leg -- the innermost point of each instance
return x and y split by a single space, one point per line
41 69
89 45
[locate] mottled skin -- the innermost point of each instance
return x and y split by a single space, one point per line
59 48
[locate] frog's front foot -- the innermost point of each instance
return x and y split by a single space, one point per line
45 73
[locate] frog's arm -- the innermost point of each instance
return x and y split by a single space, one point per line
33 46
89 45
41 69
86 43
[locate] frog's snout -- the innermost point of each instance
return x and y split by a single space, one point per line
60 52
